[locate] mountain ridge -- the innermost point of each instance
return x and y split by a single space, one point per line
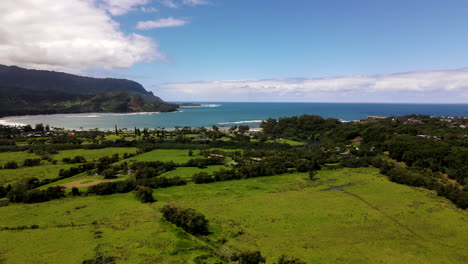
29 92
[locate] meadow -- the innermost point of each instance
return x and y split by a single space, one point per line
367 220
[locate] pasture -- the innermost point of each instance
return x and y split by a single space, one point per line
366 220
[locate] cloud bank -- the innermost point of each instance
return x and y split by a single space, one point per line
161 23
70 35
424 84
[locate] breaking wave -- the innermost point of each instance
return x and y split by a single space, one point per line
240 122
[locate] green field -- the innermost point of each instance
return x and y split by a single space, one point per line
47 171
370 220
18 156
165 155
93 154
187 172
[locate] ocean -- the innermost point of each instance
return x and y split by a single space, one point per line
229 114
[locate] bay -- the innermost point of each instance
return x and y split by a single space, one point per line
229 114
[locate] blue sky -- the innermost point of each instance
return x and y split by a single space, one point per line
239 50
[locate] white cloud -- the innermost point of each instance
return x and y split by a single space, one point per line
161 23
176 4
168 3
449 82
195 2
148 9
120 7
69 35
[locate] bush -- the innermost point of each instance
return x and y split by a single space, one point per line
4 190
17 193
144 194
106 188
251 257
161 182
202 177
75 191
312 175
10 165
31 162
108 174
190 220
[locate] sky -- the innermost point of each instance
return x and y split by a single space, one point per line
390 51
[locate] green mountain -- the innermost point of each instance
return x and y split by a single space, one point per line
29 92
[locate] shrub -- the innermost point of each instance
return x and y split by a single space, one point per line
188 219
10 165
251 257
17 193
106 188
31 162
312 175
75 191
78 159
144 194
108 174
202 177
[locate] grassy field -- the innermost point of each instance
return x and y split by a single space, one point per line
18 156
47 171
165 155
369 220
74 229
187 172
92 154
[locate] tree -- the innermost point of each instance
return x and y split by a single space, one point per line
312 175
190 152
144 194
75 191
10 165
202 177
31 162
243 128
17 193
108 174
188 219
251 257
39 127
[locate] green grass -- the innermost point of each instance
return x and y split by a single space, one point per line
289 142
187 172
112 137
165 155
69 228
18 156
93 154
41 172
374 221
371 221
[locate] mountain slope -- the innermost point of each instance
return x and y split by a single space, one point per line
27 92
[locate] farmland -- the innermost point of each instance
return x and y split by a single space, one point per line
224 195
367 220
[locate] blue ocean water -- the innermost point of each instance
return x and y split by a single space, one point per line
228 114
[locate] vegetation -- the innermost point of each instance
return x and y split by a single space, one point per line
88 94
305 190
188 219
